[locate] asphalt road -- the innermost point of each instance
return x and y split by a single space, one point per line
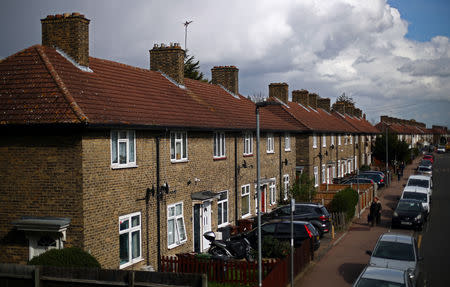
436 236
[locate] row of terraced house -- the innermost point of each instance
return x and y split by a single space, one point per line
132 164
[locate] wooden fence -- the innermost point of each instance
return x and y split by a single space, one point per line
275 271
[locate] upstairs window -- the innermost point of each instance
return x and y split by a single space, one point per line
219 145
314 141
351 139
178 146
123 147
287 142
270 144
339 139
332 140
324 141
248 144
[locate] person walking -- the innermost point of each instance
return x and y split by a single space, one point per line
372 212
378 211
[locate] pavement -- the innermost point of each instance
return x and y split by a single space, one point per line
340 259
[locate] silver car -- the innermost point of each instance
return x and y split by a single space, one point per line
378 276
396 251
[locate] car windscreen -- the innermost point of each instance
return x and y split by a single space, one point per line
415 195
408 206
424 168
324 211
368 282
418 182
394 251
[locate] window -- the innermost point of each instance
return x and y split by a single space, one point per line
219 145
332 140
178 146
323 174
270 143
356 138
351 139
248 144
339 139
339 168
39 244
345 139
130 239
316 176
356 163
272 192
314 141
176 231
245 200
123 147
324 141
287 142
222 207
286 185
333 169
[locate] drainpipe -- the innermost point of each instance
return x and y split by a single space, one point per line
158 208
281 170
236 171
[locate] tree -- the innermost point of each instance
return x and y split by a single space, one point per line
192 69
303 189
397 150
346 99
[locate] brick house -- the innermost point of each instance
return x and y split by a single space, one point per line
327 150
129 164
415 134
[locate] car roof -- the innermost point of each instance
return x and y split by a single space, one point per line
424 177
415 189
398 237
386 274
287 221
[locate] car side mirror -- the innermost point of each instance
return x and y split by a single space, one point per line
369 252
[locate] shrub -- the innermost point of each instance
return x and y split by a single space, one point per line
73 256
274 248
364 167
345 201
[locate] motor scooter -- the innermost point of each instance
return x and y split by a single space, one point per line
236 248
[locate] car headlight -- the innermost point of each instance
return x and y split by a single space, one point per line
418 216
395 214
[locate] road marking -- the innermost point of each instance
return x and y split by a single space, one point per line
339 239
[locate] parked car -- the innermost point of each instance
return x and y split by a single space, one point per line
418 193
425 162
425 170
429 157
355 180
316 214
423 181
379 276
377 178
396 251
409 213
374 171
441 149
281 230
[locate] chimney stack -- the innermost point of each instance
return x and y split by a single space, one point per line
300 96
227 76
324 103
358 113
280 91
168 60
312 101
339 107
350 110
69 33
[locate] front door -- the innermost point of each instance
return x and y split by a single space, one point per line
206 222
197 228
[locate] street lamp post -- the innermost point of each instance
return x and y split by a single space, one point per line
258 185
387 162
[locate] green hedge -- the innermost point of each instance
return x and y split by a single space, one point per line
73 256
274 248
345 201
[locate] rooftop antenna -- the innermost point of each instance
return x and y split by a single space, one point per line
186 24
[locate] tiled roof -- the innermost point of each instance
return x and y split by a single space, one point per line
361 124
40 86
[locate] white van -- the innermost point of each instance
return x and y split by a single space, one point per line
418 193
422 181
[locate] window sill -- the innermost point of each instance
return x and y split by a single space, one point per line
270 152
122 166
287 150
175 245
219 158
246 215
125 265
178 161
223 225
248 155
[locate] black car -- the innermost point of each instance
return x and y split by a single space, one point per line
316 214
281 230
425 162
409 213
356 180
377 178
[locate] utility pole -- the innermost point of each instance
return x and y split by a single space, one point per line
186 24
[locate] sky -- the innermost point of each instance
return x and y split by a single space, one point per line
391 56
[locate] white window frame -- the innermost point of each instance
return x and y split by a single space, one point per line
314 143
129 140
219 145
324 141
323 174
130 230
35 249
351 139
287 142
248 143
316 176
178 229
270 143
245 192
220 215
178 138
286 185
332 140
349 166
356 163
272 192
339 174
333 171
339 140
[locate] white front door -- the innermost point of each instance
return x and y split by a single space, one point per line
206 223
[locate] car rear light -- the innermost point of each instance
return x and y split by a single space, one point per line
381 180
323 218
309 232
